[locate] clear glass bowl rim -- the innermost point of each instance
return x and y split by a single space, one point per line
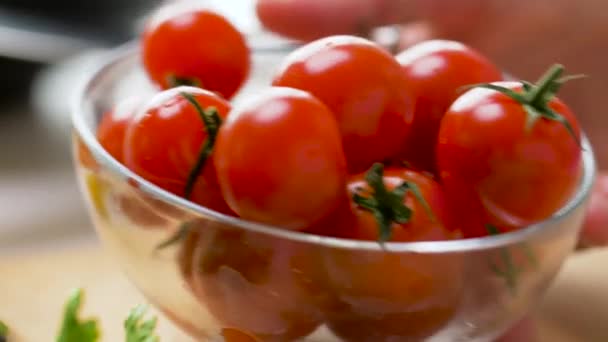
122 54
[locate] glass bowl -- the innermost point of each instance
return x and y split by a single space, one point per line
225 279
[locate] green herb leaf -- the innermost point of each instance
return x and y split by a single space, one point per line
139 330
72 328
3 330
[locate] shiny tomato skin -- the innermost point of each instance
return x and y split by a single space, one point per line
495 171
165 139
391 296
113 126
279 159
364 87
196 45
436 72
255 285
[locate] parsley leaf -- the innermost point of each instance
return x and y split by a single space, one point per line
72 328
3 331
138 330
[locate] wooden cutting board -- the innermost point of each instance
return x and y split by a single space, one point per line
34 286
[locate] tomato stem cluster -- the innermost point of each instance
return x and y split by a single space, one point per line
212 122
387 206
176 81
535 98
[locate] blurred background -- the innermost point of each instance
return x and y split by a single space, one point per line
47 49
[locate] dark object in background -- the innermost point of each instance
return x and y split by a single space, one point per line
35 33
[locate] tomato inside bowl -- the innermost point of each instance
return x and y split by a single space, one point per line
235 279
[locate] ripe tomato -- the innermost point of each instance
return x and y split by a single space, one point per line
389 296
422 226
279 159
113 126
168 138
110 133
436 71
235 335
506 159
83 155
257 285
364 87
195 47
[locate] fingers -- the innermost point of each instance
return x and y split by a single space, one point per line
595 228
524 331
311 19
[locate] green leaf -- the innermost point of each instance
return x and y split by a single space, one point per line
139 330
3 329
72 328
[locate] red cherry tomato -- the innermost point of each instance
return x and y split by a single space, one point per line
254 284
364 87
113 127
279 159
436 71
83 155
501 169
429 218
393 296
195 47
166 139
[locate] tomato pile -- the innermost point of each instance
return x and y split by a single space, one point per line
349 140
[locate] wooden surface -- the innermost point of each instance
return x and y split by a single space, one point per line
34 286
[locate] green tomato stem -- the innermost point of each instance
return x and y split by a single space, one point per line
535 98
388 207
212 122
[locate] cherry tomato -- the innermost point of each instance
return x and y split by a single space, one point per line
195 47
429 218
83 155
235 335
506 159
436 72
364 87
393 296
113 126
110 133
279 159
168 138
254 284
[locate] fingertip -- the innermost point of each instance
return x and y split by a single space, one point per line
311 19
595 226
523 331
